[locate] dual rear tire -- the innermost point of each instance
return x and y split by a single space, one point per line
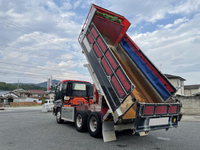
94 124
91 121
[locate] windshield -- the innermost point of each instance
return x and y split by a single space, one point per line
79 86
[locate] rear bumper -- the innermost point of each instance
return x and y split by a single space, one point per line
145 121
156 123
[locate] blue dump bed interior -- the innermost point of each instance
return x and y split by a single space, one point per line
153 79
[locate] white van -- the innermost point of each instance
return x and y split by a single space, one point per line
48 105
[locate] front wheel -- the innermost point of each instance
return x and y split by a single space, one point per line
94 124
58 116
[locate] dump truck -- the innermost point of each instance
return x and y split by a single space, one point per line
129 92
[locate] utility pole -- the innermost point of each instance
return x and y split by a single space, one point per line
18 88
50 86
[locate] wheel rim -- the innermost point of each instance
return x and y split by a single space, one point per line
58 115
93 124
79 120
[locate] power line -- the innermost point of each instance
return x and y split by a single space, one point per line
41 54
11 69
3 18
20 74
29 66
27 30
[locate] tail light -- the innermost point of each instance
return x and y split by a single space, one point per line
161 110
149 110
172 109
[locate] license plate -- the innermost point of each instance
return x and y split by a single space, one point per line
158 121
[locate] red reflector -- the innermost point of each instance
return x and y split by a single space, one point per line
117 86
101 44
105 65
96 49
90 38
123 79
172 109
148 110
161 110
111 60
94 33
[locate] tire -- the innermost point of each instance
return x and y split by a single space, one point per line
88 112
81 121
58 116
94 124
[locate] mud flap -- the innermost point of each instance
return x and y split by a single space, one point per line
108 131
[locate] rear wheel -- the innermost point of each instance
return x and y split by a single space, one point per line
94 124
81 121
58 116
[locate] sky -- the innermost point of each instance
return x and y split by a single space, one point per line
38 38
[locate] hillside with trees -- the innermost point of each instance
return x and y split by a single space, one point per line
10 87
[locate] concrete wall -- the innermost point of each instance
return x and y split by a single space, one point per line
191 104
25 99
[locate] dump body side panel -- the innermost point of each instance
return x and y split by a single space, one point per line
114 82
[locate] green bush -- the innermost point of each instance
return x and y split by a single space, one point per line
43 99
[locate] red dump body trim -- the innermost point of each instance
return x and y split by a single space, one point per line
73 81
125 22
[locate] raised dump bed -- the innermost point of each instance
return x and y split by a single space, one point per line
151 85
133 93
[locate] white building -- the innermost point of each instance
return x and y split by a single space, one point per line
192 89
7 96
177 82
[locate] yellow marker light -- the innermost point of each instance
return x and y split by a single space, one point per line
174 119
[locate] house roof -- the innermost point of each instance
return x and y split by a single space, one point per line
20 91
169 76
37 92
195 86
4 92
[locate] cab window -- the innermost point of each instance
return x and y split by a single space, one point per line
57 88
79 89
79 86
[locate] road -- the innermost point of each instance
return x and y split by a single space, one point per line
30 129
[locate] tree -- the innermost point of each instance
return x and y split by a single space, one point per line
43 99
10 87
